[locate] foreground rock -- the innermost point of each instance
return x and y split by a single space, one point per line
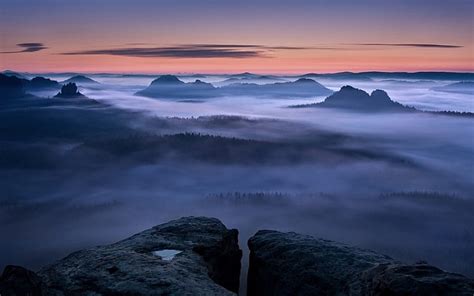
294 264
19 281
189 256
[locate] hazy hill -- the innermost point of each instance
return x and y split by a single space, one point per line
13 73
244 75
354 99
257 79
169 86
367 76
302 87
339 76
11 86
80 79
41 83
463 87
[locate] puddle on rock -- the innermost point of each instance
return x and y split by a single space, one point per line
166 254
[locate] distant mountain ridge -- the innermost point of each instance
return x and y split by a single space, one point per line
448 76
170 86
302 87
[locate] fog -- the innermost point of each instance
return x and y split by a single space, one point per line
75 176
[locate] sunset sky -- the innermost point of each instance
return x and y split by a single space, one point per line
169 36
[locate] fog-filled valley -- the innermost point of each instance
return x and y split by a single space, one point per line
97 164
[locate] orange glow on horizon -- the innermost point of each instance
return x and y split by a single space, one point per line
288 63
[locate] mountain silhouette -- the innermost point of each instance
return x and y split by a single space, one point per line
41 83
169 86
354 99
11 86
69 90
167 80
80 79
302 87
13 73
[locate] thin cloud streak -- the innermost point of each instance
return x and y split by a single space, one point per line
420 45
28 47
203 50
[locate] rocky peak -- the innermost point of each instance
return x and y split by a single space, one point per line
69 90
355 99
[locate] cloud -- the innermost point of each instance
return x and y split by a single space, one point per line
181 51
211 50
202 50
420 45
28 47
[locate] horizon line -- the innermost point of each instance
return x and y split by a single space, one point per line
234 72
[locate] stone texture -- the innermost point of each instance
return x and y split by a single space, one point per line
209 263
295 264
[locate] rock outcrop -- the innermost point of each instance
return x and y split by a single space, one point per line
200 256
295 264
188 256
69 90
204 260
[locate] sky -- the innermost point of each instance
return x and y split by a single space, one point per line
299 36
